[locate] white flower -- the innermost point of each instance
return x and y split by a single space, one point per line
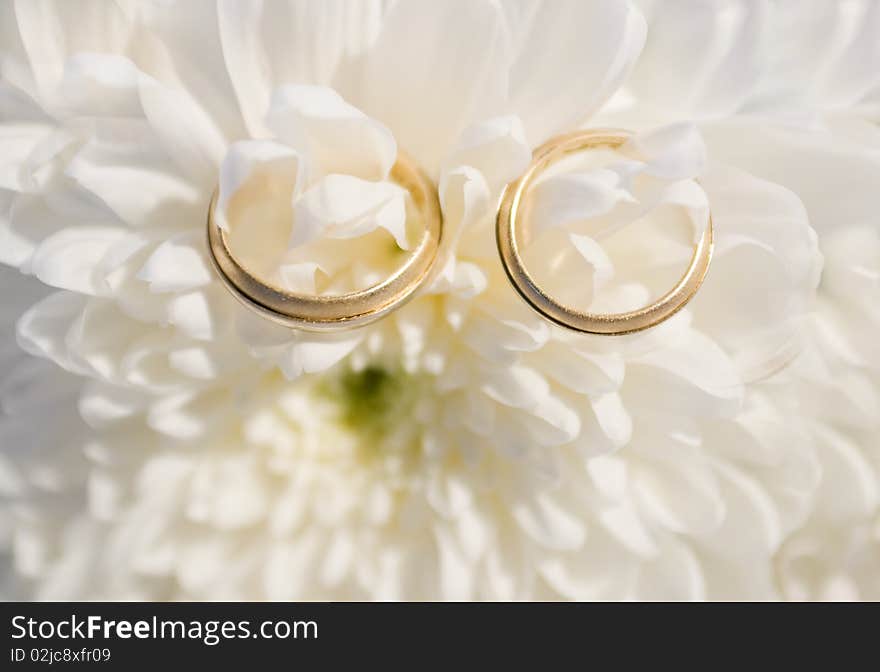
461 448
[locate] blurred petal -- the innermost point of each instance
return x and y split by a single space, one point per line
561 76
338 137
445 89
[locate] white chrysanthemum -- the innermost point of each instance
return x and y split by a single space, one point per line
461 448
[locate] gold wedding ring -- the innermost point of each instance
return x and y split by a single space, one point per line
328 313
592 323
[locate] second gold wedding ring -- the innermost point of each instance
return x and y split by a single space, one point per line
507 228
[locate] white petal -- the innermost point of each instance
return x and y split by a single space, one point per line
189 57
299 277
258 181
625 525
228 492
23 128
672 152
827 58
603 570
757 316
564 199
311 355
613 420
812 165
675 574
497 148
202 362
186 131
751 518
598 260
498 338
562 75
682 497
67 259
465 201
99 337
18 239
550 524
250 159
519 387
344 206
553 422
42 329
186 416
102 404
178 264
338 137
701 60
696 374
849 484
414 81
52 31
199 313
269 44
122 165
100 85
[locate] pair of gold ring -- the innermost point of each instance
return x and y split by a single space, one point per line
323 313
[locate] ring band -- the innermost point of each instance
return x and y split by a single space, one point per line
354 309
591 323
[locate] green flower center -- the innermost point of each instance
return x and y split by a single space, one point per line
368 397
373 399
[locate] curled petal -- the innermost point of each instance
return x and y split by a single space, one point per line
338 137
